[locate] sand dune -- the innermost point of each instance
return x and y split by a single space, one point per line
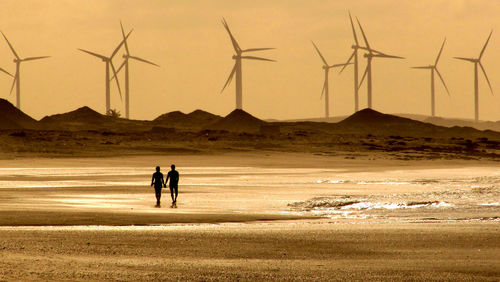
365 134
195 120
238 121
13 118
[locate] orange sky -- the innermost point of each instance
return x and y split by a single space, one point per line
189 42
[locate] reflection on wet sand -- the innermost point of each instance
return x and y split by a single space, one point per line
336 222
310 192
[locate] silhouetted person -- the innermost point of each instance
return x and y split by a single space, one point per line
158 182
173 175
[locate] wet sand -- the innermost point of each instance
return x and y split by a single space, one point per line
269 251
250 217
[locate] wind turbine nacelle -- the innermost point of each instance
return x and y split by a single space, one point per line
235 57
324 67
15 60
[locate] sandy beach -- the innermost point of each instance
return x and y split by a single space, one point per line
258 251
250 216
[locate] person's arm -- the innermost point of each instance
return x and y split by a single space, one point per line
152 179
163 182
168 176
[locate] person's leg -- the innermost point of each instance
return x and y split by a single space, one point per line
172 194
158 196
176 193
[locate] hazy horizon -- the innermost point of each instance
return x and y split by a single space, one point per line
188 41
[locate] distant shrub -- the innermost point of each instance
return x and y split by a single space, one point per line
114 113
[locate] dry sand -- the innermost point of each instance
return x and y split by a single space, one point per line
253 216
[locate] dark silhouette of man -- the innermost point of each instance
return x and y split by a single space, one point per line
173 175
158 182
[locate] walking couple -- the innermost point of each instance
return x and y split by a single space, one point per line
158 183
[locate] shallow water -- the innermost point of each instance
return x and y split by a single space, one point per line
244 176
333 193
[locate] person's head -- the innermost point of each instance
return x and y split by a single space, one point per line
172 166
158 168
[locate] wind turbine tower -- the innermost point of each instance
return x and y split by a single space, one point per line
372 53
477 62
126 57
17 76
325 90
237 65
109 61
354 56
434 69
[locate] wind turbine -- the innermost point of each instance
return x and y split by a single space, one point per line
372 53
17 76
325 90
109 61
476 86
126 57
237 65
433 69
354 56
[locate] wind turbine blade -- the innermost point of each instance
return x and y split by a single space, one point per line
256 49
440 51
14 81
229 78
235 43
485 44
387 56
353 30
6 72
364 36
319 53
363 78
423 67
486 76
370 49
442 80
119 69
94 54
143 60
257 58
11 48
120 45
339 65
348 62
465 59
34 58
116 79
123 35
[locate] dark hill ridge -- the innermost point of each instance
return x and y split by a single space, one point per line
202 115
372 122
13 118
83 114
85 118
450 122
238 121
197 119
370 117
174 116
